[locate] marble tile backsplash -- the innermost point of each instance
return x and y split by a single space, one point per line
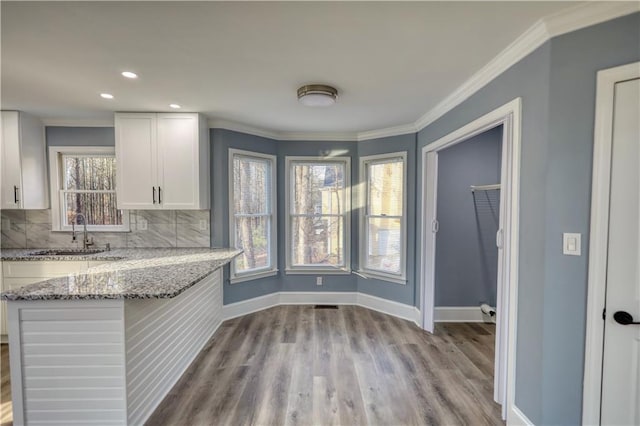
164 228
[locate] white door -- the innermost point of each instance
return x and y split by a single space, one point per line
136 169
178 146
621 357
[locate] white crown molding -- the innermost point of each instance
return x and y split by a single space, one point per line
215 123
387 131
566 21
586 15
572 19
54 122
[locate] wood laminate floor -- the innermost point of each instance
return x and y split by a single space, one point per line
295 365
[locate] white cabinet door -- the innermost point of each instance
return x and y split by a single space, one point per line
136 166
24 168
178 145
11 176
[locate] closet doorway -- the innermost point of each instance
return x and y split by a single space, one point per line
507 118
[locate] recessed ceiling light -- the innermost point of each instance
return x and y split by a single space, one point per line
317 95
175 106
106 95
129 74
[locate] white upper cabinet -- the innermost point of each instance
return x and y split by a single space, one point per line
162 161
24 166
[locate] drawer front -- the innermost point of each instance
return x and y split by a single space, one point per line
51 269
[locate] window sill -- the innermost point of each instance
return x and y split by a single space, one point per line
332 271
251 277
382 277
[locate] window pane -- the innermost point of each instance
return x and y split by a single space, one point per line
251 185
385 188
318 188
317 241
98 208
252 235
90 173
383 251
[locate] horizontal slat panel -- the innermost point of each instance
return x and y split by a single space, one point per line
101 403
162 338
74 314
42 269
77 422
72 326
71 360
77 349
70 382
74 415
73 371
70 393
72 338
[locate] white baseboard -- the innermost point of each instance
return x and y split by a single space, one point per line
460 314
389 307
515 417
400 310
245 307
317 298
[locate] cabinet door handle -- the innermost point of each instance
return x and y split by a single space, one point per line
15 194
154 195
159 196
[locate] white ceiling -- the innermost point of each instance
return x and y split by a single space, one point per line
242 62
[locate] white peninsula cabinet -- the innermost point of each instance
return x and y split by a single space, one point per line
24 166
162 161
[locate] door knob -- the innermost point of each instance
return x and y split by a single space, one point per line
624 318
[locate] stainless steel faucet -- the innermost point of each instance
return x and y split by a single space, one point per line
85 239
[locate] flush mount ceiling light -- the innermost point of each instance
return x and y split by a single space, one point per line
106 95
175 106
317 95
129 74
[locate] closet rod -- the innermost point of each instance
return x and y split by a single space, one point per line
475 188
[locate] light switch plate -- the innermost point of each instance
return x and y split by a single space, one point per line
571 244
142 224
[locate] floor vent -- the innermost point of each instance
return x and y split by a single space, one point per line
325 307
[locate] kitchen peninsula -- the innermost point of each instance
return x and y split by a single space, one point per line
105 346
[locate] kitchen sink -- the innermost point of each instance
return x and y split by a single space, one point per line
66 252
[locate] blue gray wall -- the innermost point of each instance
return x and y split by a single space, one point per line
80 136
466 252
385 289
557 86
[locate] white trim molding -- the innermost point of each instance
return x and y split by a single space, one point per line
245 307
509 116
599 236
517 418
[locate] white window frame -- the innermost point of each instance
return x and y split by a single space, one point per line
400 278
271 270
56 182
290 161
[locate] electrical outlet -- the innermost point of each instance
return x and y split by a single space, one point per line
318 280
203 225
142 224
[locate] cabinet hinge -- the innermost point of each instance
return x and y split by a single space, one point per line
604 313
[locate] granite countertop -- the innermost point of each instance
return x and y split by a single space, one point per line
155 273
